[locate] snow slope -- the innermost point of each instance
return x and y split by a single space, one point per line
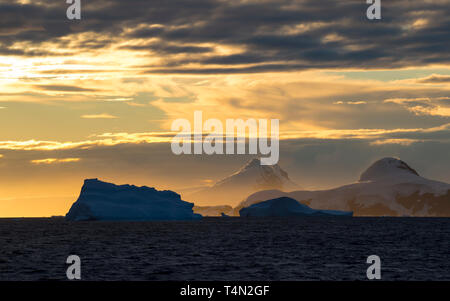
250 178
388 187
105 201
286 207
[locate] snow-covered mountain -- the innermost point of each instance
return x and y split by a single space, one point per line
105 201
287 207
250 178
389 187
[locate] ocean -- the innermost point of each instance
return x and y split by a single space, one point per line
227 249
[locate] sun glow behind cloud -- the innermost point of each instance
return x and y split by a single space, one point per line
55 160
99 116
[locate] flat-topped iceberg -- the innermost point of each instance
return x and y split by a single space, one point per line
286 207
106 201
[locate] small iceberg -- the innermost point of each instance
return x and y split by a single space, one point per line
286 207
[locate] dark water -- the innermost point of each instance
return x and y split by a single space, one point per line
227 249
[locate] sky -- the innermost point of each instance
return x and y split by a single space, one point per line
95 98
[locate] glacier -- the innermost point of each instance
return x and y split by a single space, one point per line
100 200
286 207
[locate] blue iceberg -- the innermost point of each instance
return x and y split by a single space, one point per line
286 207
106 201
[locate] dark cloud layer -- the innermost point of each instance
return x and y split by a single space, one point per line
271 35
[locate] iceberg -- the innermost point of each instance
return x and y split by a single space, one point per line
106 201
286 207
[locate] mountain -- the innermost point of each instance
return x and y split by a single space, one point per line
389 169
389 187
106 201
250 178
286 207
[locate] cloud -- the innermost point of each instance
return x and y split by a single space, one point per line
214 36
99 116
439 133
436 133
434 110
340 102
63 88
405 142
438 106
407 100
106 139
119 99
435 79
244 58
55 160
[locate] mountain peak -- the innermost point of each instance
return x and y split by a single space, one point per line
251 177
255 162
259 176
387 167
